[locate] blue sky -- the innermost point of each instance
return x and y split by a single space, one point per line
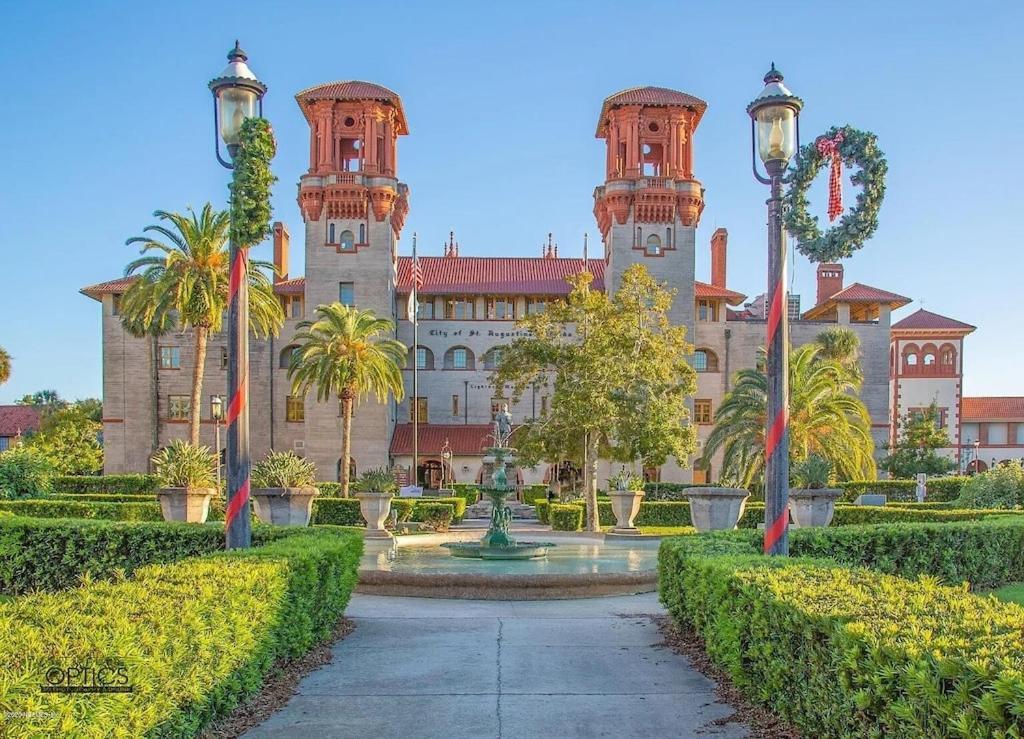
106 117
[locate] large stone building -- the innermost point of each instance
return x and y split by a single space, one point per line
354 207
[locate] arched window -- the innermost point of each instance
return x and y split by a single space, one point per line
654 245
910 360
668 238
347 241
947 358
424 358
362 233
459 358
492 358
330 233
639 237
929 359
351 469
705 360
284 360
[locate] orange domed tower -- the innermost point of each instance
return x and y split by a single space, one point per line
650 204
354 208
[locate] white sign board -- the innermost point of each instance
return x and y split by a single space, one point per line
410 491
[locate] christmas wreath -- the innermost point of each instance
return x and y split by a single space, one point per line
839 146
250 186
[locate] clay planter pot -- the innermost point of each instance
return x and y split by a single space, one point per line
284 506
716 509
625 506
813 507
186 504
375 508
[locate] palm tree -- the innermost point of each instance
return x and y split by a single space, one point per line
186 284
5 366
841 345
825 418
347 353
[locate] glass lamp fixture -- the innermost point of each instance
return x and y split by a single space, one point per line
217 408
237 95
775 122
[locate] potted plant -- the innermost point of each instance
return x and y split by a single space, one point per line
188 481
283 489
716 508
375 489
812 502
626 491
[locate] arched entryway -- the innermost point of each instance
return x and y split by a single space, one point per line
566 474
975 466
431 474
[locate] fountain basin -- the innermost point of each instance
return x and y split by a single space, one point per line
516 550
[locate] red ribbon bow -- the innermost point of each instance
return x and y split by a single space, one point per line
829 147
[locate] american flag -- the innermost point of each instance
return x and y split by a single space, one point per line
417 281
417 274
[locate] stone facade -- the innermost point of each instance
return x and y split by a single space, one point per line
354 207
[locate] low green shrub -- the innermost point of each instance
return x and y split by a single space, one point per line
466 490
195 637
667 490
855 515
182 465
436 516
565 517
24 473
283 470
841 651
999 487
458 507
148 511
939 489
336 511
329 489
103 497
376 480
114 484
403 508
533 493
946 505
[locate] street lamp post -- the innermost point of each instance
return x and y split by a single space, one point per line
237 95
775 137
217 411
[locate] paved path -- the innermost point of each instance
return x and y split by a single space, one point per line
418 667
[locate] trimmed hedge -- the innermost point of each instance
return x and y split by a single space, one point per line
841 651
533 493
234 615
52 554
345 511
565 517
104 497
46 508
939 489
119 484
437 516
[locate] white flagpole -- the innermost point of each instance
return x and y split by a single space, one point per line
415 367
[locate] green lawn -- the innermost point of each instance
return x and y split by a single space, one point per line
1011 593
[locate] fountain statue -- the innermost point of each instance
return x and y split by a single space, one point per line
497 543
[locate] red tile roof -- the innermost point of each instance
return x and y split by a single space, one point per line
466 439
496 275
926 320
1008 408
18 419
352 90
295 286
704 290
117 287
655 96
860 293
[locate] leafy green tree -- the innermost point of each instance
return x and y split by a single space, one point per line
825 418
69 439
24 473
91 407
5 366
185 283
618 375
348 354
841 344
918 437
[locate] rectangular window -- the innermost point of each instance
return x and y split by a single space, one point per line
997 433
115 307
178 407
1020 433
535 305
501 309
421 404
421 357
424 308
170 357
455 405
702 411
292 306
460 359
5 443
295 409
460 309
347 293
969 433
707 310
223 357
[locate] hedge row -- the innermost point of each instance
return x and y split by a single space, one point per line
105 497
842 651
345 511
119 484
565 517
939 489
46 508
234 615
52 554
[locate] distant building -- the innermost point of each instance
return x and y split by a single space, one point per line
354 208
15 421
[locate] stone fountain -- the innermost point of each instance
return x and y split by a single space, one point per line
499 464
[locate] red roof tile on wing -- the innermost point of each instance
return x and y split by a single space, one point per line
860 293
704 290
496 275
924 320
115 287
18 419
992 408
353 90
464 439
653 96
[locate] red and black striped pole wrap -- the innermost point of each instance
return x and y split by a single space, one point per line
237 521
776 447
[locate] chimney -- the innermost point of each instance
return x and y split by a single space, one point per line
281 239
830 281
719 242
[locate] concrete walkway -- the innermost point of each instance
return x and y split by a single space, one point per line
417 667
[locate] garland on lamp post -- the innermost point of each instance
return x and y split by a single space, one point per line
251 183
841 145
